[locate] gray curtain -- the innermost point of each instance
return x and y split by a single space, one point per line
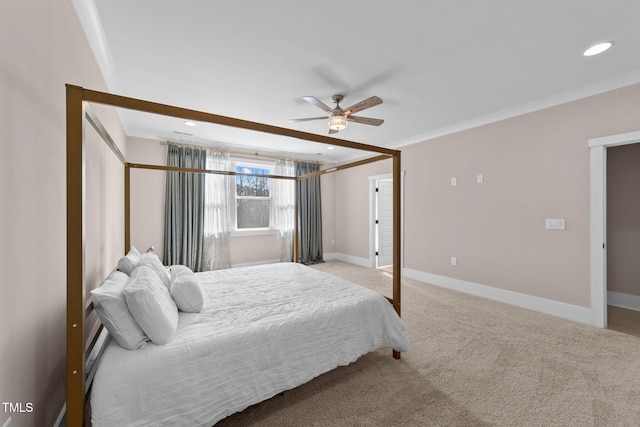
184 208
309 215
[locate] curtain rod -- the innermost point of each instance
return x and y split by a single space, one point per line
238 153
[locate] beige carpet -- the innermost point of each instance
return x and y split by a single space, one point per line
473 362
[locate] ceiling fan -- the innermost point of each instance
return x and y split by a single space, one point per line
338 117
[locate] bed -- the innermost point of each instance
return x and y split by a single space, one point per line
262 330
356 320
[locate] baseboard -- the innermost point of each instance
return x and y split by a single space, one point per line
555 308
247 264
619 299
362 262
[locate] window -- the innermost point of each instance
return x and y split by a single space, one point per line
253 196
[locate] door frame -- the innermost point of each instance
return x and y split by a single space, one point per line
372 209
598 174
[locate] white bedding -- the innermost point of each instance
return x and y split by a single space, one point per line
263 329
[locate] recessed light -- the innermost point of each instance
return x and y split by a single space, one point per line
597 48
330 147
189 124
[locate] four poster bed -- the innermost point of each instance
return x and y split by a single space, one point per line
258 330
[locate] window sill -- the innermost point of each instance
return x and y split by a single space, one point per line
252 232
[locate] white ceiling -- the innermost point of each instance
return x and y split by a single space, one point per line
439 66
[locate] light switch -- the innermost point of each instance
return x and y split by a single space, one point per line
454 260
480 179
454 182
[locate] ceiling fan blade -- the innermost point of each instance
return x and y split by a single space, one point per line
307 119
318 103
365 120
362 105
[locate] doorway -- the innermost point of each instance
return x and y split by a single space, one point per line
598 167
384 222
623 238
381 219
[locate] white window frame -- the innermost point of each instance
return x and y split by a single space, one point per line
250 231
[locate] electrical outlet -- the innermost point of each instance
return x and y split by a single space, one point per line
454 182
480 179
554 223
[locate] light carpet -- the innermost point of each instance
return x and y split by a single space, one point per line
472 362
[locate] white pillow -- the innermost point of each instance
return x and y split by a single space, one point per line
150 303
152 261
111 307
185 289
129 262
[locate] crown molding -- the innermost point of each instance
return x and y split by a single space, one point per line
87 12
603 86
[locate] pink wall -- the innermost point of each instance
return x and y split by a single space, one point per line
535 166
352 207
43 47
147 194
328 187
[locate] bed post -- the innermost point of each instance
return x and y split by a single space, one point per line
296 226
397 230
127 207
75 256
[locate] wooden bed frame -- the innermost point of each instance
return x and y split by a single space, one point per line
84 346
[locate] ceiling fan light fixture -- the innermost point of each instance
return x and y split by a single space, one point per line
338 122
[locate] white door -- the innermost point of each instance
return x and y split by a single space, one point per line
384 222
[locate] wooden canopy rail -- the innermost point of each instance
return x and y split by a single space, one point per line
78 306
240 154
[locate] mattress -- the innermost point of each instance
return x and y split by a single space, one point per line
263 330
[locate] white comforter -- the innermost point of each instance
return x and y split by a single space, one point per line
263 330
